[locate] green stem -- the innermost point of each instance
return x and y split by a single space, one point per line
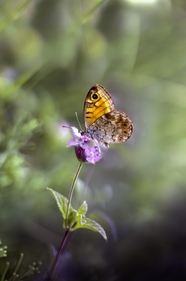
12 278
59 252
67 231
71 193
5 271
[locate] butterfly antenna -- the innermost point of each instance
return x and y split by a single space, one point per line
78 121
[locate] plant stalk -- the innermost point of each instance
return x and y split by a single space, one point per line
67 231
71 192
59 252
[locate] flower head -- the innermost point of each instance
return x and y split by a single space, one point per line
86 149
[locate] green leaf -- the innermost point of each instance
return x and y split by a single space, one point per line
83 209
84 222
62 203
76 219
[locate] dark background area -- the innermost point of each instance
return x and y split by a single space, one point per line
51 54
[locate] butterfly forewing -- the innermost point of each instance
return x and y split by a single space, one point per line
97 103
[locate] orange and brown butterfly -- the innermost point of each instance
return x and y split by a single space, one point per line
102 121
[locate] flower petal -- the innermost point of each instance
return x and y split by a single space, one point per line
86 149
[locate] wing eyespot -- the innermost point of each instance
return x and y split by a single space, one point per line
94 96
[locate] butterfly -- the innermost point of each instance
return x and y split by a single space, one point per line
102 122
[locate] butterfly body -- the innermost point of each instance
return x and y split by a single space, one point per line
102 121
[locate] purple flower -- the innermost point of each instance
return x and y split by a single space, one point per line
86 149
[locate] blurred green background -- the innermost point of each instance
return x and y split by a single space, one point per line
51 53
